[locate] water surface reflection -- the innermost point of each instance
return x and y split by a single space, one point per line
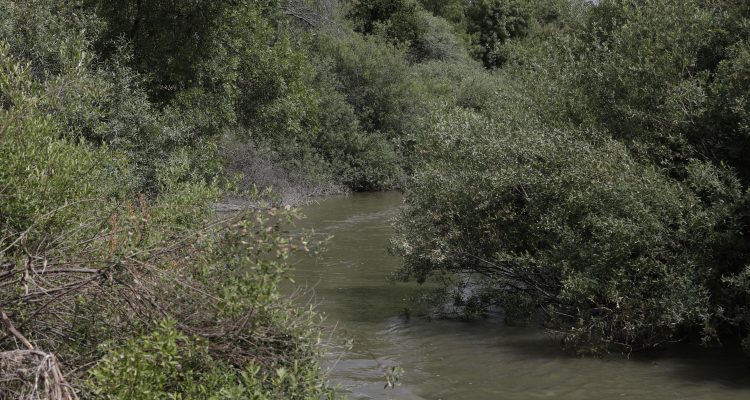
470 360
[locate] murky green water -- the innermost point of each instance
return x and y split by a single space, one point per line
472 361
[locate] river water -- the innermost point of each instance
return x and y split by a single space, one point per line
444 359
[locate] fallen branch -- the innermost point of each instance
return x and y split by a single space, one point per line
33 374
12 329
31 370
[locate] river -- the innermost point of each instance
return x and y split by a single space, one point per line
445 359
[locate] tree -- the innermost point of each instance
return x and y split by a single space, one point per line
615 254
399 21
493 23
452 10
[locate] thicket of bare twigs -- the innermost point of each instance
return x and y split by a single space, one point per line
115 278
258 169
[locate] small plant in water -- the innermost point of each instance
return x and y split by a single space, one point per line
393 377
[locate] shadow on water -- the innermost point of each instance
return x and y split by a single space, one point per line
532 364
727 366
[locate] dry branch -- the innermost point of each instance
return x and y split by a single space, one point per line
126 287
32 374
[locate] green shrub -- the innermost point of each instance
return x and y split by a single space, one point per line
164 364
635 71
441 42
596 176
50 179
451 10
376 80
47 34
727 117
399 21
493 23
615 253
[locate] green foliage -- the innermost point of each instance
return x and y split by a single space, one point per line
596 176
441 42
375 78
728 109
177 44
614 251
739 287
215 77
49 178
210 76
398 21
236 336
388 100
110 120
164 364
48 35
451 10
285 383
492 24
635 72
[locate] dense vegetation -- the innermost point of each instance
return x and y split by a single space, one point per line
601 187
117 280
576 163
